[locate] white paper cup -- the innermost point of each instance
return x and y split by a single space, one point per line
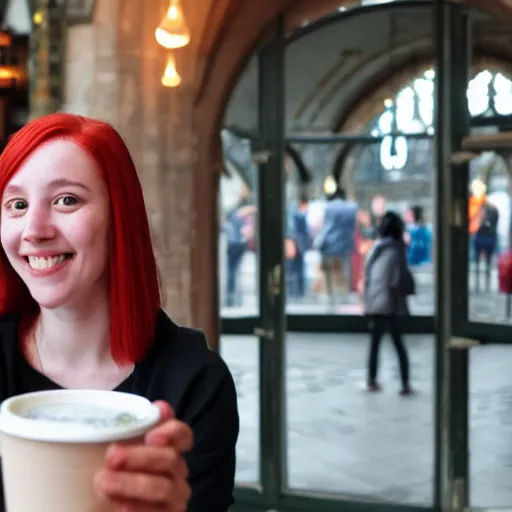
48 464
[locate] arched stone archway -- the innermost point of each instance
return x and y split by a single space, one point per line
369 106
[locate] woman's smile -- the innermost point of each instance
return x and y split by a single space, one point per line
46 265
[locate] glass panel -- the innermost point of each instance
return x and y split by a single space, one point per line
242 356
490 236
306 169
491 426
238 248
343 439
333 233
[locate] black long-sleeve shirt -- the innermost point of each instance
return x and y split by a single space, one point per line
179 369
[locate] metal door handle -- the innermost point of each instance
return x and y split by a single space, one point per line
463 343
263 333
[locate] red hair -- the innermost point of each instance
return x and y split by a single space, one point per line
134 291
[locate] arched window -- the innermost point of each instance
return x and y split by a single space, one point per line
489 94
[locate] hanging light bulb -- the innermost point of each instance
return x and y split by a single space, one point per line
173 31
330 185
171 78
38 18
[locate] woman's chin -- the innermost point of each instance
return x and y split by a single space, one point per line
51 301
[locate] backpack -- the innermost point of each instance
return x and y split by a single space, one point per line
407 284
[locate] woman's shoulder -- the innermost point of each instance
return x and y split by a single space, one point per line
182 361
382 249
183 345
182 370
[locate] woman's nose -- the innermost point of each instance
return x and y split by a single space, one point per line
38 226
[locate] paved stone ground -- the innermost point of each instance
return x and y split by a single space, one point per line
341 439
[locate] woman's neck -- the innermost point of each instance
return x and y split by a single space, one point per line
74 338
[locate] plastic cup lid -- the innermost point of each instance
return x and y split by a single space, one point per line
25 416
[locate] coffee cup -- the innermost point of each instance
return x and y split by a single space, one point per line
54 442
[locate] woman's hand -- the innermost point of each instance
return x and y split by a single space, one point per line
151 476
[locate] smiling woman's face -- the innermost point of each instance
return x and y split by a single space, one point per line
55 224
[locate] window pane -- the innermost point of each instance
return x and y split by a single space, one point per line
490 427
242 356
238 247
489 237
326 276
342 439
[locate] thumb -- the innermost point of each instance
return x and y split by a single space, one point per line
166 411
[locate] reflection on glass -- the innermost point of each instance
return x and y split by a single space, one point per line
489 239
478 93
238 260
394 174
491 427
333 235
242 356
344 440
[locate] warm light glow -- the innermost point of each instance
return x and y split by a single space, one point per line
430 74
173 31
171 78
7 73
37 18
5 39
388 102
330 185
478 188
8 77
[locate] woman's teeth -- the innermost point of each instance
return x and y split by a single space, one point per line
44 263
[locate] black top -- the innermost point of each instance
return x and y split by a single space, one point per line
179 369
489 223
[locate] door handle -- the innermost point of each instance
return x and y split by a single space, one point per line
263 333
463 343
261 157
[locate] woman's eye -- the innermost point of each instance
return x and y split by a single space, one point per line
18 204
66 201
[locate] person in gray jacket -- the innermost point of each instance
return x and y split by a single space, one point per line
388 282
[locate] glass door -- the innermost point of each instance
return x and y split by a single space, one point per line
483 333
475 323
485 324
317 445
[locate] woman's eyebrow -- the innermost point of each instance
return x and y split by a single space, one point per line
59 182
66 182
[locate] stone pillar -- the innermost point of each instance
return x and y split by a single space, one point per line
156 123
46 73
114 69
91 86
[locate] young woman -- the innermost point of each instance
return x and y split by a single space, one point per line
388 282
80 308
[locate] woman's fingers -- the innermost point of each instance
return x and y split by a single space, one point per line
156 491
138 506
156 460
153 476
171 433
166 411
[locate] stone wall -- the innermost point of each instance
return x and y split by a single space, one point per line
113 71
